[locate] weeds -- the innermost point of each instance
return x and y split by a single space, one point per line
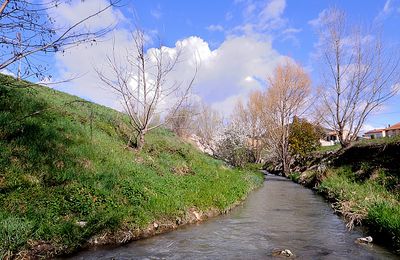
364 201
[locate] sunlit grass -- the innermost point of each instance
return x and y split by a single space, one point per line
368 201
70 163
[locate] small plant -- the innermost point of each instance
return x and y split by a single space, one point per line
295 176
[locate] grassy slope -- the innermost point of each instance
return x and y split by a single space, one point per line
55 170
365 184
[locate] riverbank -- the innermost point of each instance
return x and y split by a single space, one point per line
68 180
280 215
362 183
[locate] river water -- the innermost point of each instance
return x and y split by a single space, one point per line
279 215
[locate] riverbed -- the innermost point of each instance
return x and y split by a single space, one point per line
279 215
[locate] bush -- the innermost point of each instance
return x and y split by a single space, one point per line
233 148
303 138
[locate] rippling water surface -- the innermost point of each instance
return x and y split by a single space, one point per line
281 214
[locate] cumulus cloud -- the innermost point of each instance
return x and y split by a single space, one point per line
225 73
71 12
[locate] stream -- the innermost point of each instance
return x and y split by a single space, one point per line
280 214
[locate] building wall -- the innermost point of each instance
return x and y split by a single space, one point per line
393 132
326 143
374 135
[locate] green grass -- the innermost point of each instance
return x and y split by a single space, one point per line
332 148
295 176
378 141
70 163
368 201
384 218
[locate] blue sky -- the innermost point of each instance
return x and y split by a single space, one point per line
240 42
214 21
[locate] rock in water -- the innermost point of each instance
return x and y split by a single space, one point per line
364 240
279 252
287 253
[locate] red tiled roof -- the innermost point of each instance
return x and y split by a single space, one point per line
394 127
374 131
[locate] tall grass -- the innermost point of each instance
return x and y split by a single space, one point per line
367 201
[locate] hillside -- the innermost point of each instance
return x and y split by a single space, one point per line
66 176
363 182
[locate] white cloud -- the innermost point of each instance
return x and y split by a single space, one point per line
386 11
289 34
230 70
7 72
322 16
369 127
387 7
226 73
156 13
391 7
291 30
273 10
71 12
261 16
215 28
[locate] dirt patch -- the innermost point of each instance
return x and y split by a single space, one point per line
182 170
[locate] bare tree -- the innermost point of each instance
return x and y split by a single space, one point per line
250 118
286 97
360 75
27 29
207 127
182 121
142 81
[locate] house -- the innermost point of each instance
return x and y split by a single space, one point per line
375 133
393 130
384 132
330 137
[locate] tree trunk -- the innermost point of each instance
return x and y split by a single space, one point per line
140 140
345 141
285 166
